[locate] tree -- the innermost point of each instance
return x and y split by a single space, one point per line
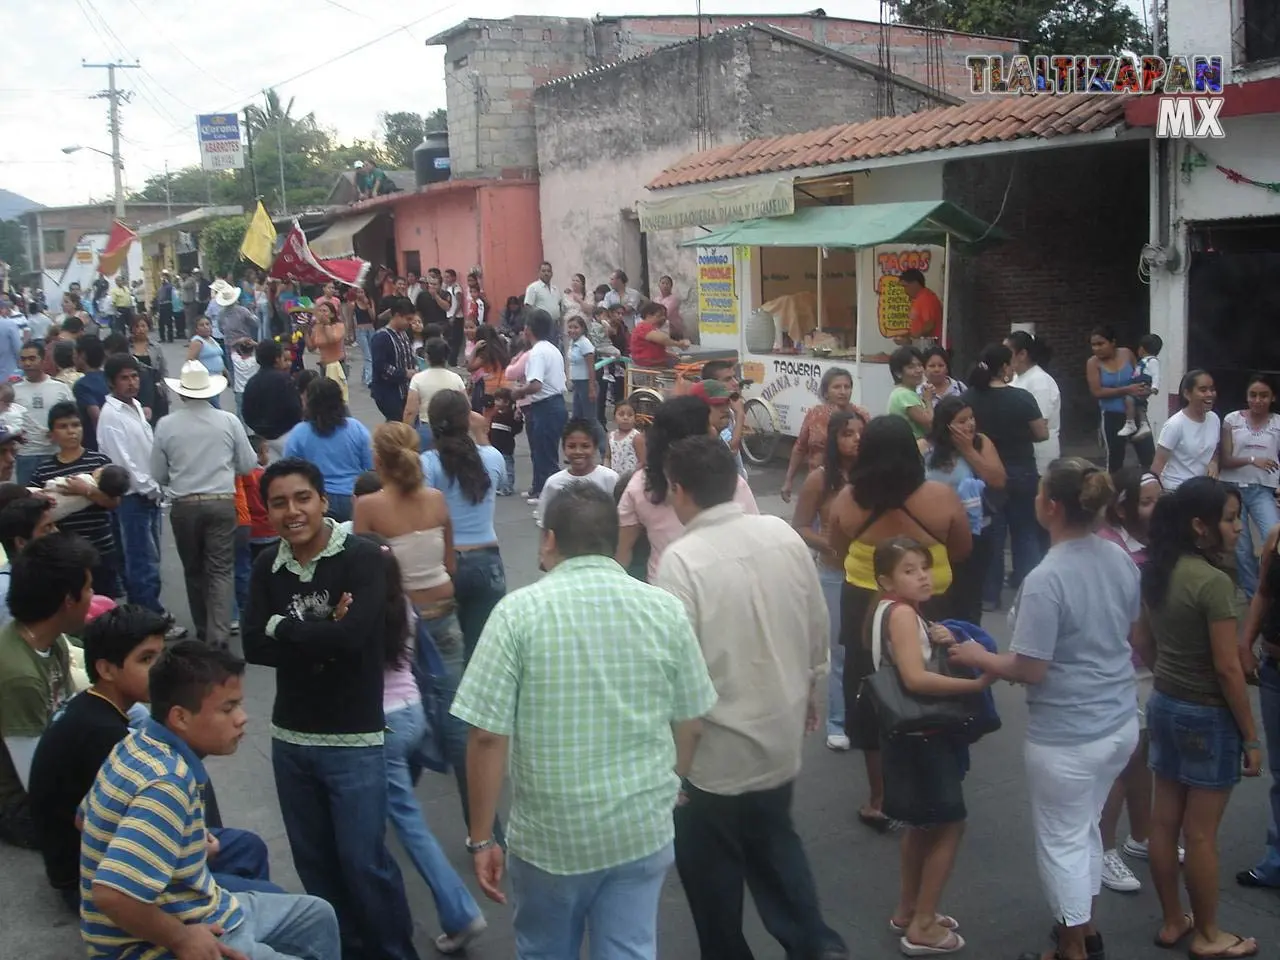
220 243
1047 26
13 247
403 131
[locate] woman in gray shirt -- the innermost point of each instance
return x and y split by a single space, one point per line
1071 626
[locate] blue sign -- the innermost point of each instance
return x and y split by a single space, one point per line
219 138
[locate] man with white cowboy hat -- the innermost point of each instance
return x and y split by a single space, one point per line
197 454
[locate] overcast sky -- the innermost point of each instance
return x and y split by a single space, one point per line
218 56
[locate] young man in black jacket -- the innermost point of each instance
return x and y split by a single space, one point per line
272 406
317 613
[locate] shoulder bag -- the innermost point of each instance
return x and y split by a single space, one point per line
901 712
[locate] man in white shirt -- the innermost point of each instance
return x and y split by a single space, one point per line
546 415
36 392
542 295
125 436
427 383
455 316
735 826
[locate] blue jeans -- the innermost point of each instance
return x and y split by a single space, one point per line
239 395
139 519
583 409
244 569
1193 744
1258 506
242 864
509 484
454 903
278 926
832 581
23 467
426 439
617 907
1017 519
334 804
479 582
339 506
545 423
364 337
1268 868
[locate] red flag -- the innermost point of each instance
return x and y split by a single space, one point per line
113 256
295 261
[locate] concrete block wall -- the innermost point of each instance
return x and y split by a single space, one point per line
1070 262
624 37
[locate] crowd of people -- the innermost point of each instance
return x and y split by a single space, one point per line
364 567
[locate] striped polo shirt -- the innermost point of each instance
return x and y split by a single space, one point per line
144 835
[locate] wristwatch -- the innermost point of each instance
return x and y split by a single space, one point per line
473 847
1252 745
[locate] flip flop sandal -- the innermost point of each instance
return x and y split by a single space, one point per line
953 943
879 823
950 923
1172 944
1225 954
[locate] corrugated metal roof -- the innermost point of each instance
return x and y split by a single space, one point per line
981 121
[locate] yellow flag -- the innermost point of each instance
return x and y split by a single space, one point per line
259 242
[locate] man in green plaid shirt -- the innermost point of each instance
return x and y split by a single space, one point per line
595 682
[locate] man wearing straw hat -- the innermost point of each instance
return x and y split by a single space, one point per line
198 452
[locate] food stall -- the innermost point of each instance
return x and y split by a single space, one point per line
799 294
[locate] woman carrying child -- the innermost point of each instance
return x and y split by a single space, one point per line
923 772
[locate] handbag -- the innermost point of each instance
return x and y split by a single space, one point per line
902 713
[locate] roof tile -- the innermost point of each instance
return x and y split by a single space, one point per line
980 121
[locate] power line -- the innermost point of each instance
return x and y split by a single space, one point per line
177 48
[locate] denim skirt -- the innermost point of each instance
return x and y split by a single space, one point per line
1193 744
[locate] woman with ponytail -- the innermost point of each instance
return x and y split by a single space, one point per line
1013 420
469 477
1030 354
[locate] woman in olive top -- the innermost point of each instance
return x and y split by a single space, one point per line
1199 720
887 496
1012 419
912 396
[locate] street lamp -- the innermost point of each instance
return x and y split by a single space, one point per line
117 165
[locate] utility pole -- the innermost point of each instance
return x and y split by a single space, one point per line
253 171
168 198
284 197
113 96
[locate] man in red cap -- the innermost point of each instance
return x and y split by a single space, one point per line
726 415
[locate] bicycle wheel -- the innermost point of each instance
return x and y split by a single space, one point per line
761 431
645 402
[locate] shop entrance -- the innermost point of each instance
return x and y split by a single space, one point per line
1233 302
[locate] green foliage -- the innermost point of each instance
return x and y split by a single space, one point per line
403 131
13 246
313 161
1047 26
220 243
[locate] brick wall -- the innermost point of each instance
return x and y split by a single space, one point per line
1077 219
623 37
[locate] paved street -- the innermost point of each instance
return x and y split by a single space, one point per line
995 891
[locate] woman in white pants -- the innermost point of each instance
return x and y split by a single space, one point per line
1071 626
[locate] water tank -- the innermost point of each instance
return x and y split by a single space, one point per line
431 159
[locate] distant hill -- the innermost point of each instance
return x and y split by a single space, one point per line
13 204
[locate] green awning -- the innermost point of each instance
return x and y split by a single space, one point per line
855 227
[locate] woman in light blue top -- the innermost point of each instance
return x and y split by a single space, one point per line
207 350
469 477
1110 373
335 442
956 454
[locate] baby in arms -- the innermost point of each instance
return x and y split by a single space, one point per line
112 480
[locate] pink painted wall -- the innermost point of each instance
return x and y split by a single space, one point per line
494 226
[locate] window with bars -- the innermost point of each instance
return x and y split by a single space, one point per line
1261 30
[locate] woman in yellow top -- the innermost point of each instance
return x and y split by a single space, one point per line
887 496
327 336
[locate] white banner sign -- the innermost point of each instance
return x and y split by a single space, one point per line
772 198
219 136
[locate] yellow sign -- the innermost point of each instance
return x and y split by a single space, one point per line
893 306
717 291
753 370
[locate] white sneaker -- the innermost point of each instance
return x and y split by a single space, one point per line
1128 430
1139 850
458 942
1143 431
837 741
1116 874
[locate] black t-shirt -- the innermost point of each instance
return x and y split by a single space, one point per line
66 762
93 522
1005 415
429 310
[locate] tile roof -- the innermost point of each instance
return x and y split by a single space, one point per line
981 121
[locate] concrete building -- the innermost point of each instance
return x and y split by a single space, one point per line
53 232
1213 237
1062 177
603 134
493 66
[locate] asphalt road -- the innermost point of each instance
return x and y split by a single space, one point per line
995 891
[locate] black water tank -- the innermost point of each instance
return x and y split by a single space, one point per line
431 159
